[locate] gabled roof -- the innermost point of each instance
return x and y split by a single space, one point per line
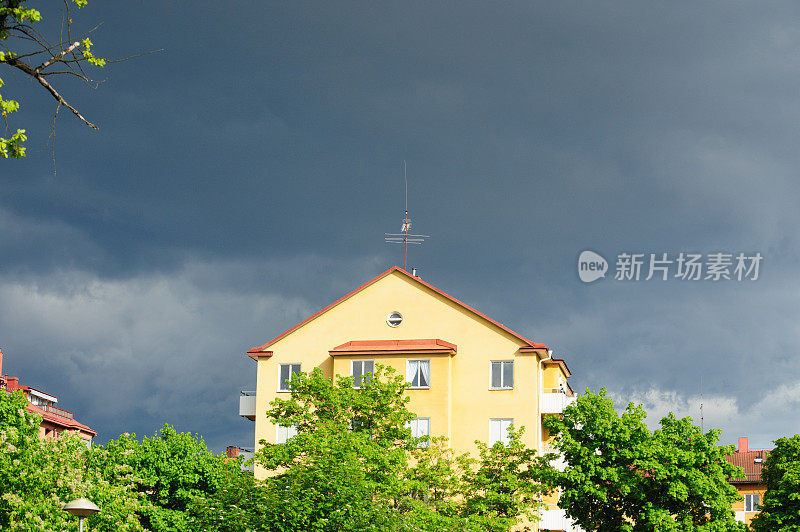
262 350
752 463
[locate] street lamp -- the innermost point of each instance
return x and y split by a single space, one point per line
81 508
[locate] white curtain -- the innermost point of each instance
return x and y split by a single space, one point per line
425 370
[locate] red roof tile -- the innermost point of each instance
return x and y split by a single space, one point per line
355 347
62 421
751 462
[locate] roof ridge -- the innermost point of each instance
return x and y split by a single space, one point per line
530 344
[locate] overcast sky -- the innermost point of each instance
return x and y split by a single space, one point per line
243 178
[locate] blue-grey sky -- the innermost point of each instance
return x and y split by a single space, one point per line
243 178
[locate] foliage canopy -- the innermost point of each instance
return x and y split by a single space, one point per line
780 509
621 476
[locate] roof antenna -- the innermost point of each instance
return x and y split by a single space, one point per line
404 237
702 426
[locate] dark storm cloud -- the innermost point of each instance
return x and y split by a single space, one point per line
256 162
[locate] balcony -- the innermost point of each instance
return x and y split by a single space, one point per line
558 462
554 401
50 409
555 519
247 405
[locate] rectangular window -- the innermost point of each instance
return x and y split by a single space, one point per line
751 501
502 374
287 370
420 427
284 433
498 430
418 373
359 370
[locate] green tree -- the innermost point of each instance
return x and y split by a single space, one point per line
344 470
353 465
240 504
41 58
780 509
38 476
170 471
620 476
505 484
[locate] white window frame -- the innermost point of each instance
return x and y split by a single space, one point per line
752 502
291 373
361 376
503 422
415 427
501 365
284 433
410 377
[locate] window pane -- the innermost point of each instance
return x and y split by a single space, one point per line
508 374
368 366
284 433
496 376
494 431
425 427
412 374
424 372
357 367
285 369
506 424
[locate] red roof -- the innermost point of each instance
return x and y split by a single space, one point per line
61 421
751 462
50 413
366 347
260 351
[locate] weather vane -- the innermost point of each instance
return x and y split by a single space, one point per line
404 236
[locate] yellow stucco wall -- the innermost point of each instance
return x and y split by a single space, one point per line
743 489
459 401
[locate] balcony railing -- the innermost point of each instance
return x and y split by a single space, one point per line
554 402
558 462
556 519
247 405
50 409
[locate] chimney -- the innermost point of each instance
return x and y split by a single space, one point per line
12 384
743 447
232 452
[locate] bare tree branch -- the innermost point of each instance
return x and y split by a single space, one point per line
56 57
43 82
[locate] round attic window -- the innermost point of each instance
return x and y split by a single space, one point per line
394 319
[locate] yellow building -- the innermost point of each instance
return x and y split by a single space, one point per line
751 488
469 376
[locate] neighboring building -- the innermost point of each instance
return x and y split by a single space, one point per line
751 488
54 420
232 453
469 376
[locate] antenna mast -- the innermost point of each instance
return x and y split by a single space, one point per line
702 424
404 236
